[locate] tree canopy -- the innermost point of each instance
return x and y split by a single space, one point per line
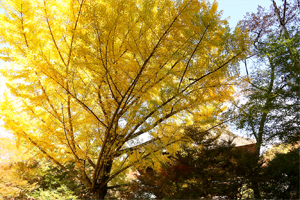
88 78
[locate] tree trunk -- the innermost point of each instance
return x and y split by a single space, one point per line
259 137
255 180
100 193
256 190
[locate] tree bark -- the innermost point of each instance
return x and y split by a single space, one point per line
100 193
256 190
259 139
100 190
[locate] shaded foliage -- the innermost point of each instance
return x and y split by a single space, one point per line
208 170
281 176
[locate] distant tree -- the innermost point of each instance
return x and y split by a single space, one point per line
14 183
52 180
22 175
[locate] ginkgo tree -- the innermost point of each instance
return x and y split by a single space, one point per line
89 78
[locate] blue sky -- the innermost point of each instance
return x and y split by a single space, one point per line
236 9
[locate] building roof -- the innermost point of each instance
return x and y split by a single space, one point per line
236 140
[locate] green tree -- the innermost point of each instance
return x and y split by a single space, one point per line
87 78
273 90
273 107
53 181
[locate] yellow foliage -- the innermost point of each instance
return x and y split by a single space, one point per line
277 149
88 78
11 151
12 184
